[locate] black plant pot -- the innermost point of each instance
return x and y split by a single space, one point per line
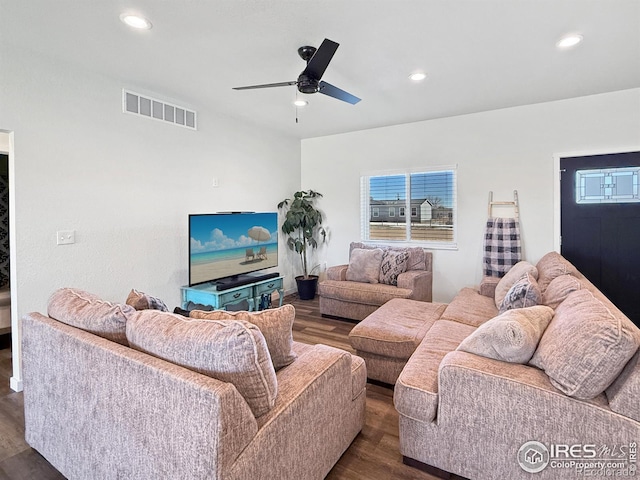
307 287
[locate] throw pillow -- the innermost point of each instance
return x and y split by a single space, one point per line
230 351
142 301
559 289
586 346
364 265
523 293
89 312
275 324
514 274
510 337
394 262
417 256
553 265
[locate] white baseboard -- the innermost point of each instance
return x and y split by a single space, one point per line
15 384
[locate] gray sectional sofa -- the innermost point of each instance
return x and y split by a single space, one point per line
97 408
469 413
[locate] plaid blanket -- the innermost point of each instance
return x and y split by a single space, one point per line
502 247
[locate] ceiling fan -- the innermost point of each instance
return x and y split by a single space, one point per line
309 80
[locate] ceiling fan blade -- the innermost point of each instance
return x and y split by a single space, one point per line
320 60
266 85
335 92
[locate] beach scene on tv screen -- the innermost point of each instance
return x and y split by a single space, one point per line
227 245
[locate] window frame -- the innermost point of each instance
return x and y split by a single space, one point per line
366 208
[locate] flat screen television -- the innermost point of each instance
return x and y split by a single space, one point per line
226 246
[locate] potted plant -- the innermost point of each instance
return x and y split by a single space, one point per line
303 226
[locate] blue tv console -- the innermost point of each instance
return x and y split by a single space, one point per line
207 294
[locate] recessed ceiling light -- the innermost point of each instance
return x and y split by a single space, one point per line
418 76
569 41
135 21
301 103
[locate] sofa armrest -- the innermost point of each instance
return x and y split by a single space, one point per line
518 403
487 410
419 282
337 272
109 401
488 286
314 419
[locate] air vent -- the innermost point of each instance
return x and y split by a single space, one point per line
157 109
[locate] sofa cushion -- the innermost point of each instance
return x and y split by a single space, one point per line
511 336
586 346
624 392
559 289
275 325
471 308
417 256
364 265
363 293
514 274
143 301
394 262
229 350
416 391
553 265
523 293
89 312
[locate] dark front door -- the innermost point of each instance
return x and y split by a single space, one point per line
600 224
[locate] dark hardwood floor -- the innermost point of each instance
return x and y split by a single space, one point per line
374 454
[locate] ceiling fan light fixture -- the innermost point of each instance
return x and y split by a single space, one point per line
300 103
569 41
135 21
418 76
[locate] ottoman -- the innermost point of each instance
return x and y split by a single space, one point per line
389 336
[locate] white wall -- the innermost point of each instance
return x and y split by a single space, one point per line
4 142
124 183
501 150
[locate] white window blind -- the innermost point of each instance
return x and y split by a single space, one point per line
429 194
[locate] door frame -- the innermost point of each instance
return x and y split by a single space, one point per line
556 181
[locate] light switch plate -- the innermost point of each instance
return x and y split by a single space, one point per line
66 237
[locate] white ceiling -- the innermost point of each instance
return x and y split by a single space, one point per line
479 54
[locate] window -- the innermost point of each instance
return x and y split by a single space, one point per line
607 185
430 196
376 212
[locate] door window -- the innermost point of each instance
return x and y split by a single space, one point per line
607 185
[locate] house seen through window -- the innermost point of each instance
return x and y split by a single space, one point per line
430 196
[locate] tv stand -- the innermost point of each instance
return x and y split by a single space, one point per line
234 293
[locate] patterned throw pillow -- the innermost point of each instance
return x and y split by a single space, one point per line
142 301
524 293
514 274
394 262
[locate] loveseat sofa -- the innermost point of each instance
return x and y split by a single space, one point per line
553 389
102 401
375 274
